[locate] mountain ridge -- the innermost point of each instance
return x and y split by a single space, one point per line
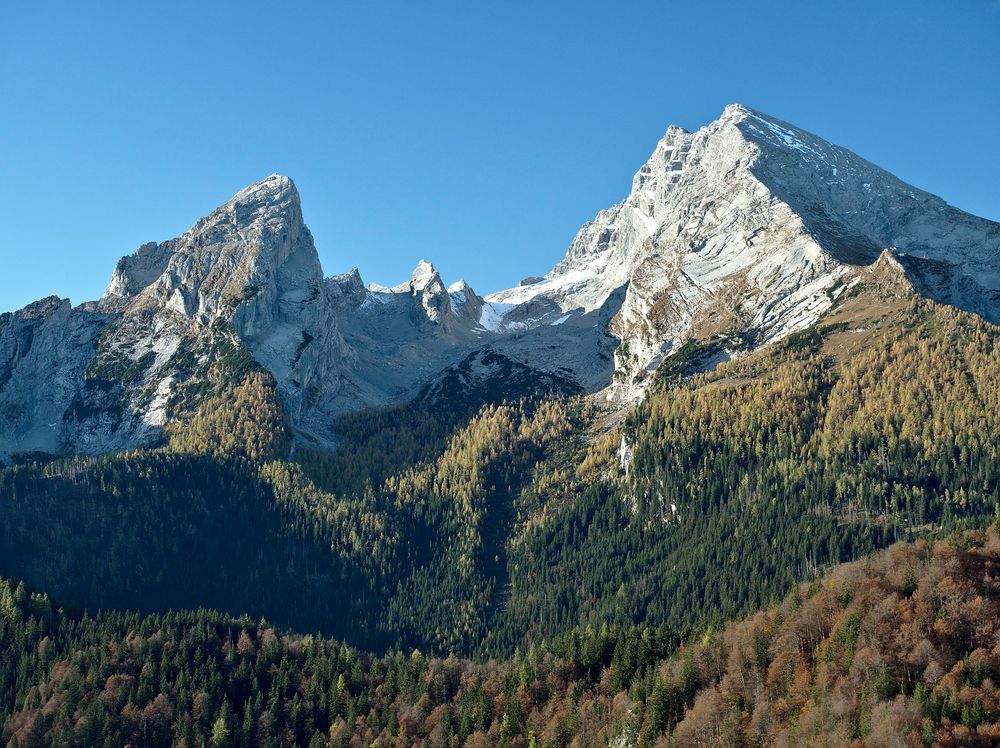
418 468
743 232
709 229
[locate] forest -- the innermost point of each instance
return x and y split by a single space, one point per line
902 648
473 534
479 529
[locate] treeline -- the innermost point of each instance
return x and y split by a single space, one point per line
815 451
511 521
902 648
215 520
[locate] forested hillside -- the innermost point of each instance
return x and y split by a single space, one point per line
521 514
902 648
881 423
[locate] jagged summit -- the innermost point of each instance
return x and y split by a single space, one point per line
221 254
751 226
742 231
277 185
423 275
455 308
247 271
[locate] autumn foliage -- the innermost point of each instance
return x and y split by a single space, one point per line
899 649
902 648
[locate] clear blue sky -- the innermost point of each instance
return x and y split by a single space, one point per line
477 135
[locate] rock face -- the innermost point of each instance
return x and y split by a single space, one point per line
44 349
743 231
749 229
111 374
250 269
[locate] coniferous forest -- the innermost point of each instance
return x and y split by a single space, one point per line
525 569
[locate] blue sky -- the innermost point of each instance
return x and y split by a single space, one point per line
477 135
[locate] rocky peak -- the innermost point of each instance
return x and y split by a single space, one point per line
741 232
247 274
274 192
426 286
465 301
423 275
750 227
233 252
734 110
348 284
40 309
270 205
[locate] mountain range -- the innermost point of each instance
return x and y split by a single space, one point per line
741 233
528 517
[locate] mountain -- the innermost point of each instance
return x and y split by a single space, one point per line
771 359
750 229
177 317
742 232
